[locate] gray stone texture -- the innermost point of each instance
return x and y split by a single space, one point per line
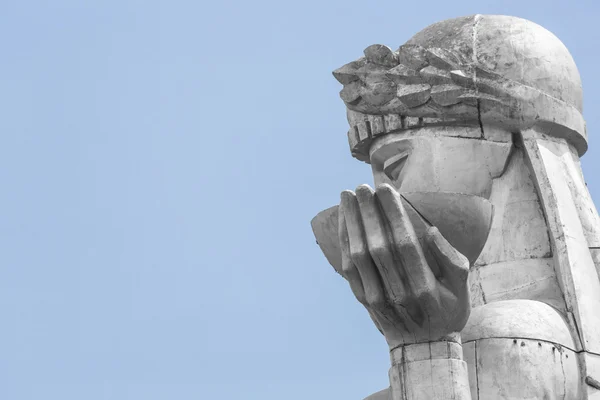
477 252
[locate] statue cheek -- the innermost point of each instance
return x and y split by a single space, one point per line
474 181
419 174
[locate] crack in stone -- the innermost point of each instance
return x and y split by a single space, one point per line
475 24
476 371
479 116
592 382
562 367
539 340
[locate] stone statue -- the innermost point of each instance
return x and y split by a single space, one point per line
477 252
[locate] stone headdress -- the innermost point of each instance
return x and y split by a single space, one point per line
461 71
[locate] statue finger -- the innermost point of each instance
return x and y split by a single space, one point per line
420 278
379 245
349 270
359 252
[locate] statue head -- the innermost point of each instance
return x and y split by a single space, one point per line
463 102
477 77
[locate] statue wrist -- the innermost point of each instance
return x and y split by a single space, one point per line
442 349
431 370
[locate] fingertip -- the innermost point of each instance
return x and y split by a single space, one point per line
364 188
388 191
390 198
364 192
385 189
385 186
346 195
349 202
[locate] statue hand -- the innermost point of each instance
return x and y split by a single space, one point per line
392 274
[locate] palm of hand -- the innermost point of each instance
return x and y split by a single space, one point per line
414 291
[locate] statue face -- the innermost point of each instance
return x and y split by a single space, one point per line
438 159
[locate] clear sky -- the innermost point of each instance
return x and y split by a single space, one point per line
161 161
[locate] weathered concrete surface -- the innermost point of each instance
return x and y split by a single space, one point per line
429 370
533 279
590 370
521 349
430 379
525 369
574 264
519 228
519 319
488 108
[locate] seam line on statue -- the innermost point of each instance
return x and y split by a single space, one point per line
525 260
527 338
558 345
407 130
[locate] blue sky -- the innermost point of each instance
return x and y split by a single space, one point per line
161 162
